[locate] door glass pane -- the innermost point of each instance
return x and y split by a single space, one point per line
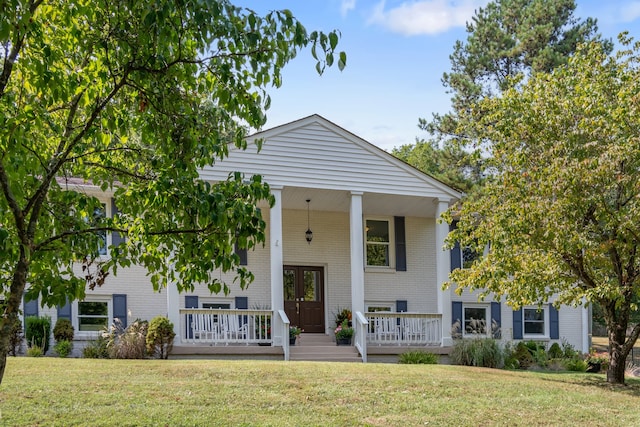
311 285
289 285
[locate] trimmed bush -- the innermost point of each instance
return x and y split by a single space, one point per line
418 358
38 331
483 352
63 331
160 337
63 348
15 338
555 351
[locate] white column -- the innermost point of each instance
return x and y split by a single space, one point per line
173 311
357 253
443 267
275 245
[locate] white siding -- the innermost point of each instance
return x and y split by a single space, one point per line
318 155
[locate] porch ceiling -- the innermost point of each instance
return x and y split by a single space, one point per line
372 203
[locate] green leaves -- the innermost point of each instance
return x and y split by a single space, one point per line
562 213
135 100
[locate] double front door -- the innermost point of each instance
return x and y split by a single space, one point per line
303 297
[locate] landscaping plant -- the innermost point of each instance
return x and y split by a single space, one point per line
38 330
160 337
418 357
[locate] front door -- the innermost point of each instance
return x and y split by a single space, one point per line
303 297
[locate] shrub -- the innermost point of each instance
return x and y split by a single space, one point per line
484 352
569 351
523 356
130 343
540 357
555 351
35 351
96 349
160 337
510 359
576 365
38 331
15 338
63 331
418 358
63 348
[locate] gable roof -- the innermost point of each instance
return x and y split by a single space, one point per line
313 152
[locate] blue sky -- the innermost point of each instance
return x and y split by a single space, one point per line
397 51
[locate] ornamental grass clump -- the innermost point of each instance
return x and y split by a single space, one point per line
482 352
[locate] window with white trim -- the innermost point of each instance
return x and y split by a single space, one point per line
535 321
475 318
93 315
379 245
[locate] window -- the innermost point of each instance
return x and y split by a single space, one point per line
374 307
379 246
468 256
475 319
98 216
534 321
223 305
93 316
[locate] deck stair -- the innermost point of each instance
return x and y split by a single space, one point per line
322 348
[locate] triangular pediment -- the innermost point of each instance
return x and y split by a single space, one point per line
315 153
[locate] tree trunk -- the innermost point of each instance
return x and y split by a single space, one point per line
617 365
11 310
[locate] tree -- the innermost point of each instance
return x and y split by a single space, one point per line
134 98
449 164
506 38
562 217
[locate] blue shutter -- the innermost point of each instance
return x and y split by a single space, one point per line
517 324
401 305
120 309
401 246
116 238
456 313
456 253
30 307
497 316
64 312
190 301
554 323
242 253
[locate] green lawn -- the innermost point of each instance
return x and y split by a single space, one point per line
83 392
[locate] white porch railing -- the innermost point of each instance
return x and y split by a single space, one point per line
284 323
362 326
404 328
224 327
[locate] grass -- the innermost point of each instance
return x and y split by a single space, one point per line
77 392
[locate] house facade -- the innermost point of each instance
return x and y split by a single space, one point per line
352 227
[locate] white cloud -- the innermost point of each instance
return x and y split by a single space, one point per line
346 6
425 16
629 12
